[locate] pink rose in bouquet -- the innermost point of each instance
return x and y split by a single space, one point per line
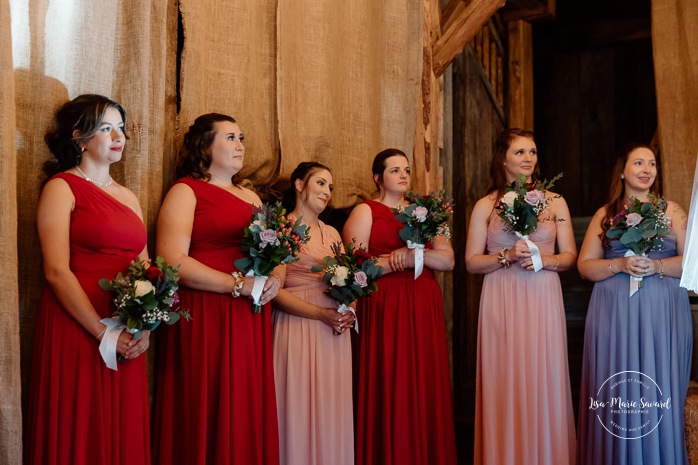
534 197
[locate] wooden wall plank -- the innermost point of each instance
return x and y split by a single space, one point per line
476 123
520 104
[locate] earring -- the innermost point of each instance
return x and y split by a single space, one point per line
622 176
82 149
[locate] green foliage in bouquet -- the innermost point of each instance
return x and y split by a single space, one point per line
642 225
350 274
146 295
425 217
523 202
271 239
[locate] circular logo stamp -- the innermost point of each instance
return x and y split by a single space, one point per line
629 405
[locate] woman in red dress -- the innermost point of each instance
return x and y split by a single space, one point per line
90 227
215 399
401 374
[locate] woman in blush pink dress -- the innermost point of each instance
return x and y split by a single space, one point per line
523 410
312 364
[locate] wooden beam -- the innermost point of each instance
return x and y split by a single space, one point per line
520 75
461 26
450 12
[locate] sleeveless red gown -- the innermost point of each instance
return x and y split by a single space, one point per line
81 412
403 392
215 401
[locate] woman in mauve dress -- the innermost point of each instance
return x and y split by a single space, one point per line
523 401
312 364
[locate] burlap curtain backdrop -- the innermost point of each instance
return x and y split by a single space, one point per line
332 81
10 393
675 44
348 85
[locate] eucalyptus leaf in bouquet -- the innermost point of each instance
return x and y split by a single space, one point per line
349 274
424 219
642 225
146 296
523 202
271 239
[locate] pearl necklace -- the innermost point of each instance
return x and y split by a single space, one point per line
96 183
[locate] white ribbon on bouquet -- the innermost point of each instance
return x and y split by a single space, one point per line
107 348
535 252
346 308
634 282
258 286
418 257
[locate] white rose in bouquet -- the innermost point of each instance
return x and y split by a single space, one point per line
341 273
143 288
509 198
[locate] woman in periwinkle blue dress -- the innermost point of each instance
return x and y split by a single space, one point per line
637 348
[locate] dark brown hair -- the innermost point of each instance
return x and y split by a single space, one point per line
379 163
498 175
84 114
195 155
616 191
303 172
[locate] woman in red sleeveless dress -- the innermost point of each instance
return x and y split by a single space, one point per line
90 227
401 374
215 399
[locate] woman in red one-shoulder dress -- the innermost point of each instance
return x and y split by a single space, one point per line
90 227
215 401
401 374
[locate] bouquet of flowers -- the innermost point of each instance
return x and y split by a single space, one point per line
520 208
424 219
640 227
522 204
145 296
350 274
271 239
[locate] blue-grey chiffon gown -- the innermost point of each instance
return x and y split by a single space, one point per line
636 368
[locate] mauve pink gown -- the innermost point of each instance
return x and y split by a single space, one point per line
523 410
312 368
